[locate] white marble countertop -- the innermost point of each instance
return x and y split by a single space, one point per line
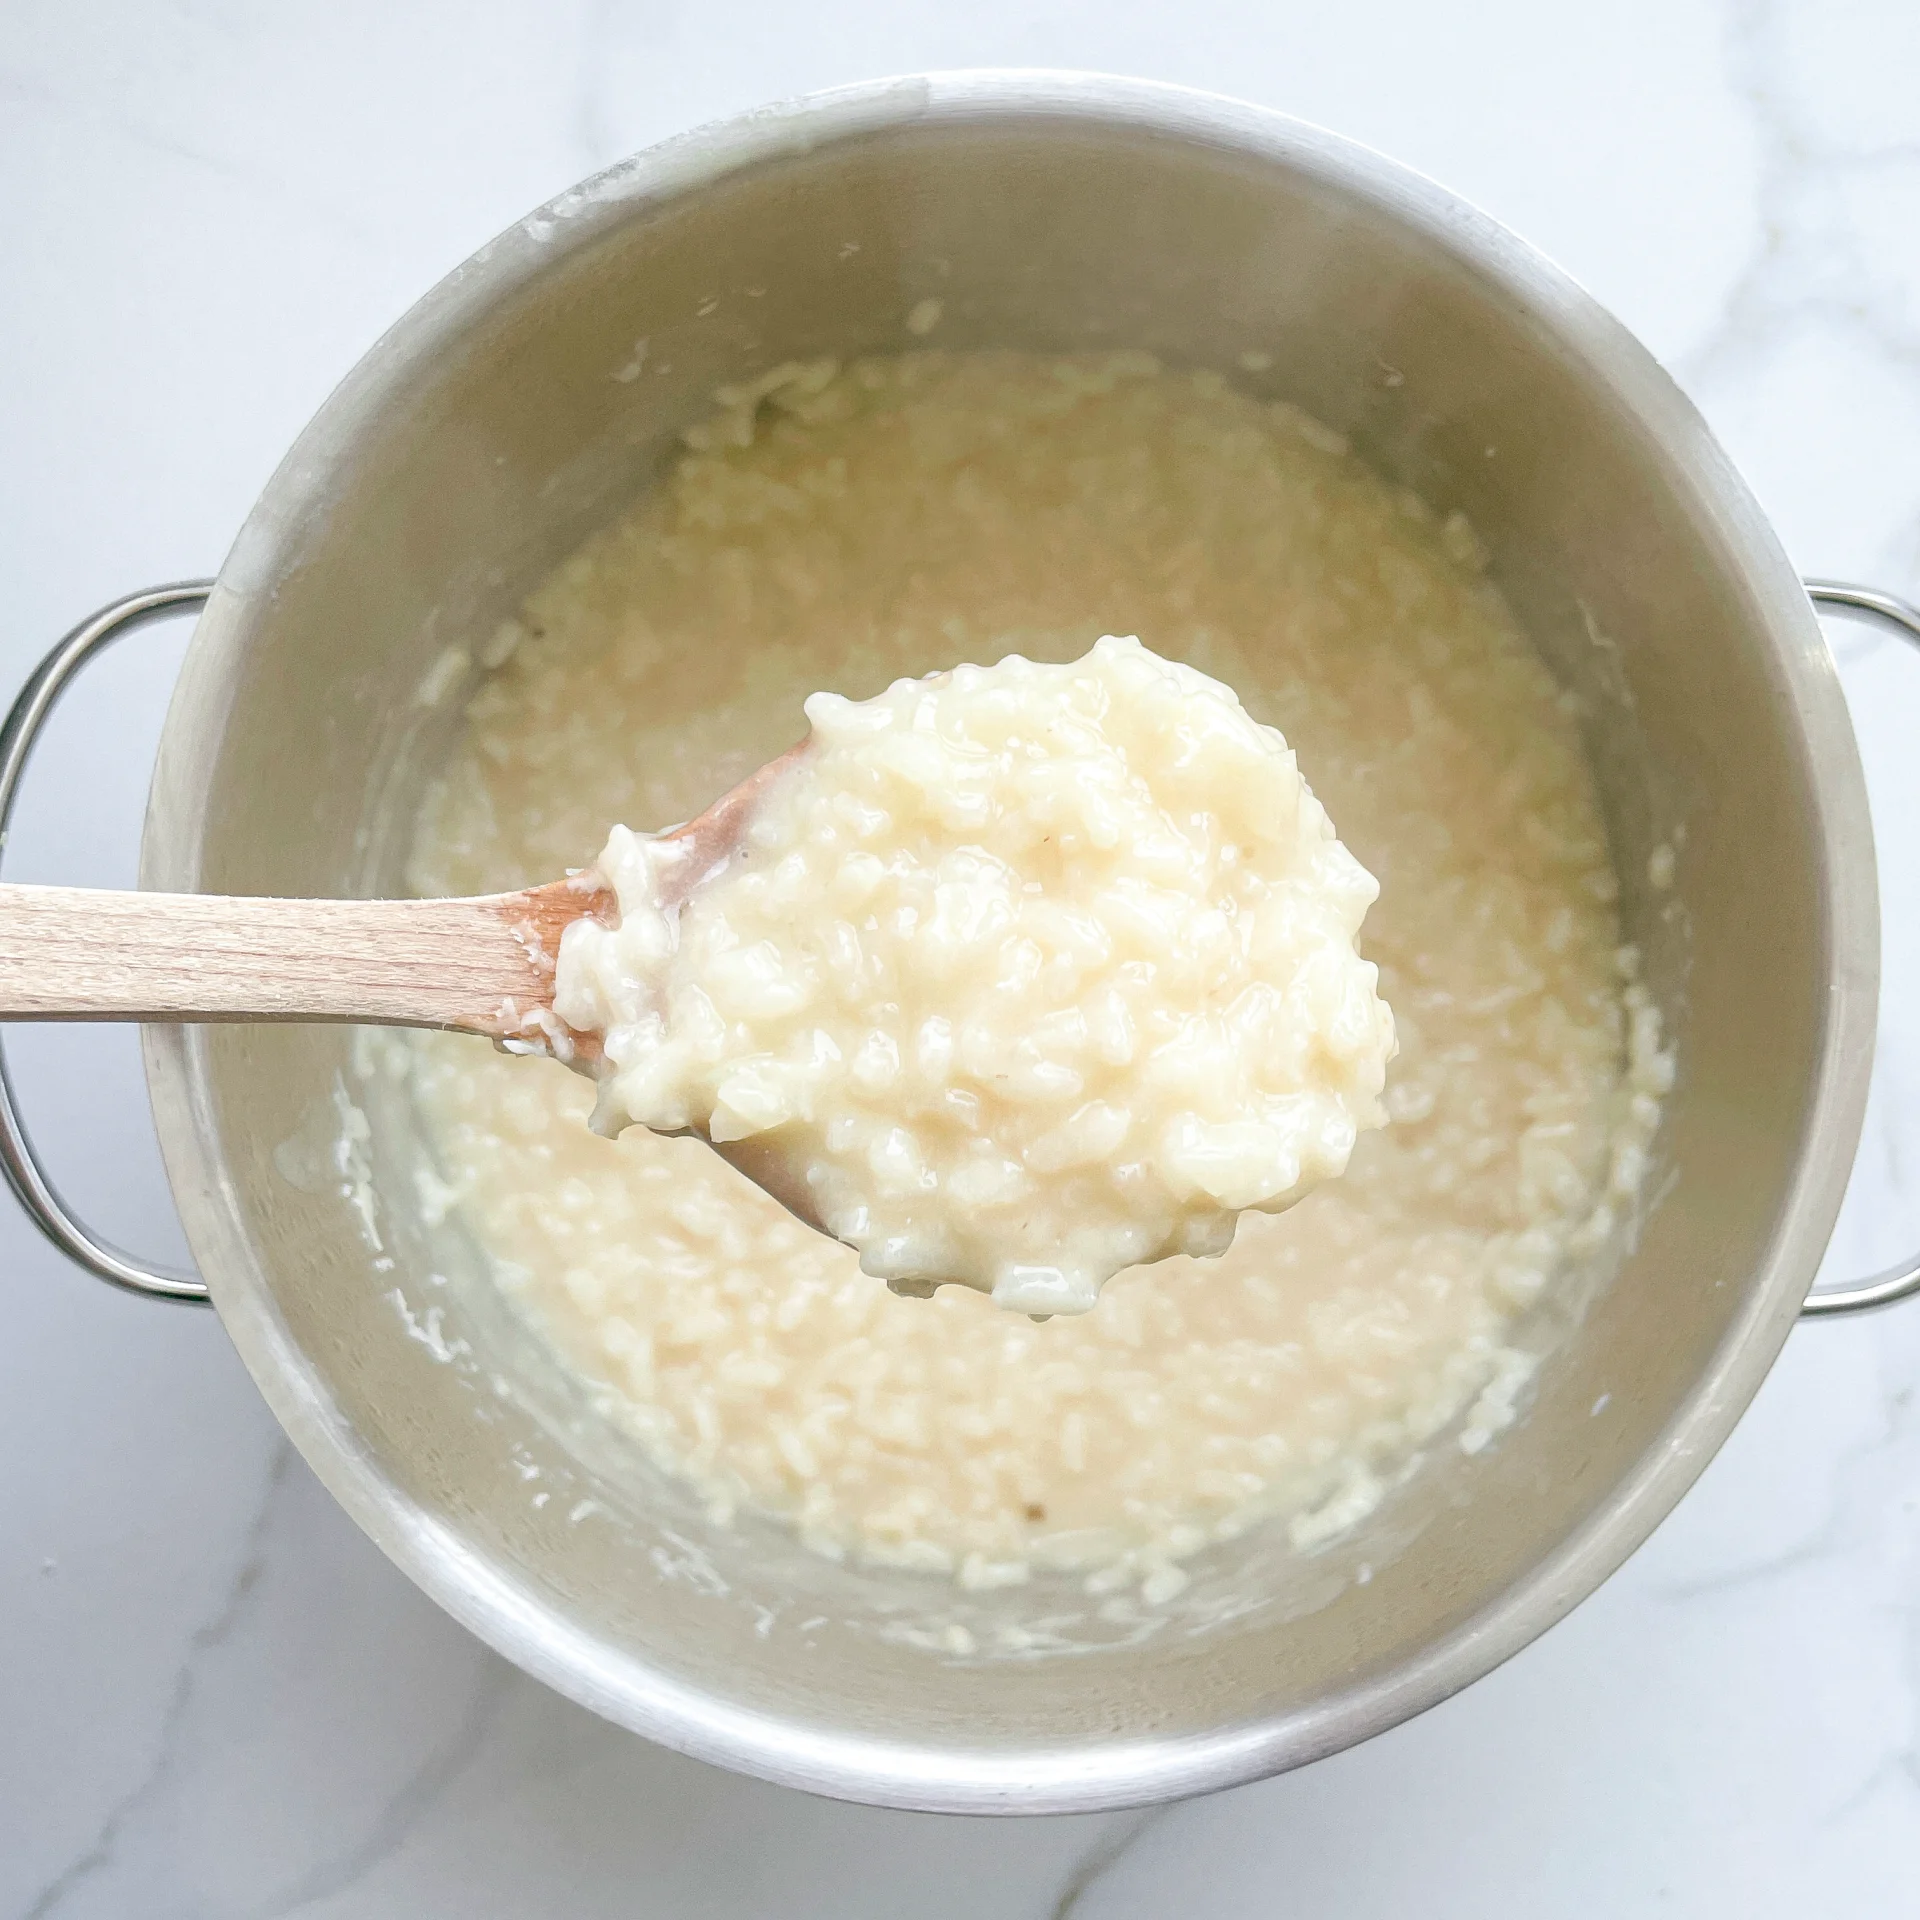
216 1698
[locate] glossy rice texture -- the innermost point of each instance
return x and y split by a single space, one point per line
1019 976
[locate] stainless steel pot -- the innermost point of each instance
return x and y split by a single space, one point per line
506 415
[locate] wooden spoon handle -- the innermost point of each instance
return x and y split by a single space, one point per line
481 965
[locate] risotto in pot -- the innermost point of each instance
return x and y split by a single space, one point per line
845 527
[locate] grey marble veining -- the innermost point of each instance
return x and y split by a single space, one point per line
217 1699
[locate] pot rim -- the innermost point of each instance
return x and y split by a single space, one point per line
874 1770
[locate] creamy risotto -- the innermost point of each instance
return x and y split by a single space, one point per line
844 528
1017 976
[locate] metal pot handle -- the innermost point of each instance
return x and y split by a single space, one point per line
24 1174
1883 1289
56 1220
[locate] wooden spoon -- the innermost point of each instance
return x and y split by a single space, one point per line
483 965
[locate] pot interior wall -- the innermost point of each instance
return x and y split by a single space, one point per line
476 447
